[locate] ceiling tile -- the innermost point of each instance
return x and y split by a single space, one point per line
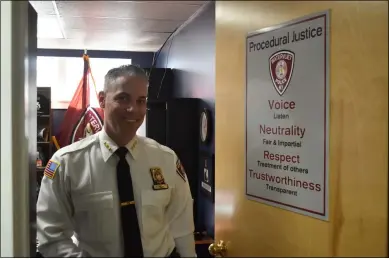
48 27
43 7
111 25
90 23
92 45
125 9
115 36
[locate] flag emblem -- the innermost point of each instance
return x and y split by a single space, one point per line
51 169
89 124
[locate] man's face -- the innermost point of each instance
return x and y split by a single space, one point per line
124 104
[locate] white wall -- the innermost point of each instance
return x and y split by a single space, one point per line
6 163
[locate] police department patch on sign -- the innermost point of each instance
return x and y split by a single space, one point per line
51 169
180 170
281 69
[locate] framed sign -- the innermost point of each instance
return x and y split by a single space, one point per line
207 176
287 114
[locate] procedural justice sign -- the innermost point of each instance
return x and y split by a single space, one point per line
287 114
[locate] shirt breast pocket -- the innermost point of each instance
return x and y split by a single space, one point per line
93 216
154 205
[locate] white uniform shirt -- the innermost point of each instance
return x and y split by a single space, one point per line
79 196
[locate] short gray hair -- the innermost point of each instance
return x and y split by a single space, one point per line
123 71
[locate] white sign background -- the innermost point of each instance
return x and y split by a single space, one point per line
268 180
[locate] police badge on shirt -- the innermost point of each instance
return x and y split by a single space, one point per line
158 179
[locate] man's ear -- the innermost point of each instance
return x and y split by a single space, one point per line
101 97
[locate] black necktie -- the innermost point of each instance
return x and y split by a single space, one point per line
130 227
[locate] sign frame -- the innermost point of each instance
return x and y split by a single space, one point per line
207 187
324 215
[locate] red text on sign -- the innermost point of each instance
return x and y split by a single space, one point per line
281 105
281 157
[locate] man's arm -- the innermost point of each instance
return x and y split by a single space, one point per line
54 210
180 214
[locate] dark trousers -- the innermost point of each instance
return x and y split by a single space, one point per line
174 254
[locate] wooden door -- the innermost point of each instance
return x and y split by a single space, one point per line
358 220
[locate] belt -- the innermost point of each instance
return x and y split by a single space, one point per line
174 254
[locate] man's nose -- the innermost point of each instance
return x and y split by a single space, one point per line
130 108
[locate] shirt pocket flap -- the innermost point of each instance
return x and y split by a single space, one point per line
159 198
93 201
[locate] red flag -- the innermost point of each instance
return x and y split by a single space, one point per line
81 120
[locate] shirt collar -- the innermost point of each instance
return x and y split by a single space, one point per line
108 146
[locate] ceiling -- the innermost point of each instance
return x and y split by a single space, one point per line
110 25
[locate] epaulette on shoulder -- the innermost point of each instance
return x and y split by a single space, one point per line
77 146
166 149
154 144
148 141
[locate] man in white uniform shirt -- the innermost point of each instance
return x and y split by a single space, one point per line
119 194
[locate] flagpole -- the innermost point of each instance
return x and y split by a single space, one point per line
84 84
85 79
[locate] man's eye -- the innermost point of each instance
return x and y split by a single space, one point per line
141 101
